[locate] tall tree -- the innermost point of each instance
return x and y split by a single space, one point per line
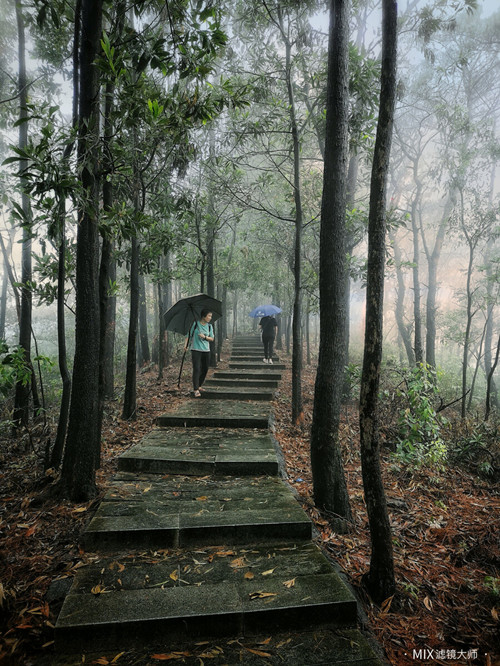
22 398
380 578
82 441
330 490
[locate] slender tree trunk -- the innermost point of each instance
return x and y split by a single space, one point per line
404 334
22 396
5 284
82 441
143 322
62 425
130 397
297 410
380 578
11 276
417 312
330 488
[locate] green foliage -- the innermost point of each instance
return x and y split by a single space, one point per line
13 368
492 584
420 442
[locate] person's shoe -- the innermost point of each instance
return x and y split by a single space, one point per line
265 360
197 394
270 361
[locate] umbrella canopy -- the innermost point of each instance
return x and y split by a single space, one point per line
265 311
187 310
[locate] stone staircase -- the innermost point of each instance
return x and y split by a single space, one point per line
199 537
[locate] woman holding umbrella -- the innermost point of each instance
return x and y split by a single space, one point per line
200 335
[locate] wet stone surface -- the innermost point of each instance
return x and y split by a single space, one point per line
218 413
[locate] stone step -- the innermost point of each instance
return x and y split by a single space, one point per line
259 356
218 393
138 598
147 511
218 414
253 365
235 381
269 373
202 451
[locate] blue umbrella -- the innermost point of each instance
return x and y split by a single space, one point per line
265 311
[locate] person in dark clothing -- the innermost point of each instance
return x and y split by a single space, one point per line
269 328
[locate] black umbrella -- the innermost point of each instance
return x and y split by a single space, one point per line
181 316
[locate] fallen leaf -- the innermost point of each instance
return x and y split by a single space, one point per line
268 572
80 509
259 653
262 595
98 589
428 603
202 498
171 655
249 575
115 659
238 563
494 614
289 583
174 575
384 608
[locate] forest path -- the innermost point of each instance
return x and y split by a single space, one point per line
198 537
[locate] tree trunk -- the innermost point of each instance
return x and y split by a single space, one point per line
417 313
380 578
82 441
5 284
130 396
399 311
297 410
330 489
145 356
433 263
22 396
62 425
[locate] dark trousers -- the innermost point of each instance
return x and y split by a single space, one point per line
200 367
268 346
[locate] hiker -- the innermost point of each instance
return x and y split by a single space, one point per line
200 335
269 328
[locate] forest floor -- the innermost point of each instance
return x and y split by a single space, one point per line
446 535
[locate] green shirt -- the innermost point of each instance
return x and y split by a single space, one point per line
197 343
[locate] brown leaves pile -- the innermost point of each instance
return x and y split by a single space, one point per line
446 533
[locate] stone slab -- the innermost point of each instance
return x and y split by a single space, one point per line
144 510
236 393
249 365
194 451
265 373
234 382
129 597
218 414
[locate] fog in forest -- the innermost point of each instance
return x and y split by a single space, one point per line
206 149
336 160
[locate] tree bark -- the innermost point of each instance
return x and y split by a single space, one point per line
22 394
82 441
330 488
380 578
297 409
399 311
62 424
130 396
145 356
